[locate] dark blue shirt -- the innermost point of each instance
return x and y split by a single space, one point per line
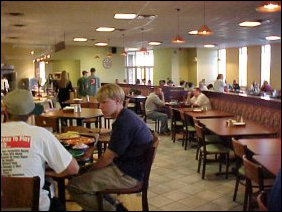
130 139
274 199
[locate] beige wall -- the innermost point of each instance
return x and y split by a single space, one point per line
192 65
253 64
232 64
275 68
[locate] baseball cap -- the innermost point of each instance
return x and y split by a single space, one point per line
20 102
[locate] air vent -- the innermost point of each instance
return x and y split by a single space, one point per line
19 25
13 38
15 14
121 30
146 16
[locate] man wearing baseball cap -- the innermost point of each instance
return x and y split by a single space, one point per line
31 147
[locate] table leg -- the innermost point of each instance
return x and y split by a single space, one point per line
61 190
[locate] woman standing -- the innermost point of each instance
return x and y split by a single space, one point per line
65 87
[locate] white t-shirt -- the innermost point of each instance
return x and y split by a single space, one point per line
219 85
202 100
152 103
4 84
24 151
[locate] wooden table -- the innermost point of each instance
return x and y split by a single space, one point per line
263 146
85 113
92 103
208 114
219 127
272 163
137 99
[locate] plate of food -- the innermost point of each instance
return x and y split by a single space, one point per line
68 135
197 110
80 140
80 146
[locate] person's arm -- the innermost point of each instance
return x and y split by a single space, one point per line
72 169
70 87
106 159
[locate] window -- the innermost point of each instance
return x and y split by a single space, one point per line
265 63
243 58
222 62
139 65
42 72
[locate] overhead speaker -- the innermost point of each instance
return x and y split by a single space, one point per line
114 50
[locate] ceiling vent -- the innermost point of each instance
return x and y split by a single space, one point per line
15 14
146 16
19 25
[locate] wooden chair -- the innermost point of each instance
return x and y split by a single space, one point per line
254 174
141 186
189 130
89 121
144 116
176 123
262 201
47 122
210 149
20 193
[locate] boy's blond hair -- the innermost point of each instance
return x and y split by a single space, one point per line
112 91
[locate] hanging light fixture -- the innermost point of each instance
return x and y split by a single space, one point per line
178 39
204 30
269 7
123 53
143 49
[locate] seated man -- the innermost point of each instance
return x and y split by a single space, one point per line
235 86
274 198
36 146
123 163
153 102
199 99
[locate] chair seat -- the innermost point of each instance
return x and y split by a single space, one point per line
131 105
191 129
215 148
212 139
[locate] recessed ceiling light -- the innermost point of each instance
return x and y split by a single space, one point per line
79 39
128 16
209 45
194 32
273 37
101 44
155 43
105 29
250 24
32 52
132 49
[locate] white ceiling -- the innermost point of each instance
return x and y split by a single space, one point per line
47 21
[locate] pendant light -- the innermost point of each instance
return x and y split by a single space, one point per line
143 49
204 30
123 53
269 7
178 39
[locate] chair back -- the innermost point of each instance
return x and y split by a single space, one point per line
47 122
143 111
150 159
253 172
20 193
262 201
200 133
238 148
126 102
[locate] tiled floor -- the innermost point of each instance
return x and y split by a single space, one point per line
176 185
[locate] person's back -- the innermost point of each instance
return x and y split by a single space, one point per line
152 103
82 84
93 83
30 147
219 84
274 198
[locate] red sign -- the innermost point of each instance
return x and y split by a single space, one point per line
15 142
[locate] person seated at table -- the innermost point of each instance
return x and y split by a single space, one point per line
82 84
123 163
117 81
162 83
219 84
137 82
36 145
265 87
182 83
227 86
152 105
254 88
149 83
274 198
170 83
235 86
144 81
199 99
190 86
210 87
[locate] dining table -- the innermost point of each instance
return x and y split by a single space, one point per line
86 113
200 114
250 128
272 163
262 146
137 99
92 102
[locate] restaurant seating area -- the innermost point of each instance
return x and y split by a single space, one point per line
136 106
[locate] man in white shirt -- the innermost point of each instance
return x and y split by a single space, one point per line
219 84
199 99
31 147
153 102
4 85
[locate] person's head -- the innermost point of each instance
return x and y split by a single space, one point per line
219 76
161 82
125 81
111 97
149 82
210 86
157 90
196 92
84 73
265 82
137 82
92 70
182 83
19 105
190 85
144 81
116 81
170 83
234 82
50 76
